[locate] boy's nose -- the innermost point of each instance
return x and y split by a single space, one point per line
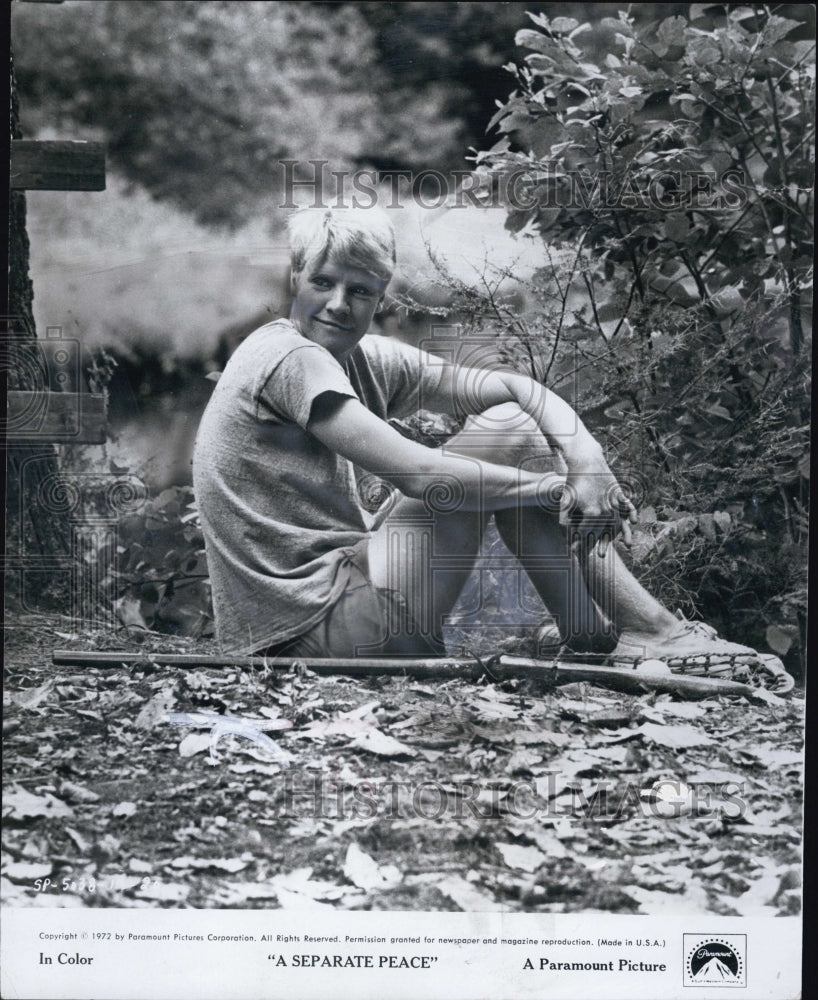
338 301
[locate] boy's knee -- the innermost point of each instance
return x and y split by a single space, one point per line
505 435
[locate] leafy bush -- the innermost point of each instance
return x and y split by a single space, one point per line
162 580
670 190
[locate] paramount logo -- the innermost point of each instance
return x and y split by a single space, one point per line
720 966
715 960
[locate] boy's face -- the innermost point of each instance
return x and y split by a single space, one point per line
333 304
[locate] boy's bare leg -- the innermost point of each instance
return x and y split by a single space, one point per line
538 541
429 554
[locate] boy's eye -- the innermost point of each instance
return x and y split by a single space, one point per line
361 290
321 282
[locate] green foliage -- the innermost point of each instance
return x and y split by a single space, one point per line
162 580
671 185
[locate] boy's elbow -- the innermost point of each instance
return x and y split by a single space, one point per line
425 475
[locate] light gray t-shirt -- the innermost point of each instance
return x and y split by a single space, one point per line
280 512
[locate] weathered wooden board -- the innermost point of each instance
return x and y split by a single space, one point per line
60 417
58 165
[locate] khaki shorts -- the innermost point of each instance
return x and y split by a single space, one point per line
365 621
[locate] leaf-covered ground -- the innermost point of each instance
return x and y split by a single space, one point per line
384 793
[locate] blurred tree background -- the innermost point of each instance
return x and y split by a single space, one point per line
682 336
198 101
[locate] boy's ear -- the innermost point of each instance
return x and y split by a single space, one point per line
293 282
379 306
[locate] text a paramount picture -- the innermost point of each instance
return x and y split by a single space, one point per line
407 437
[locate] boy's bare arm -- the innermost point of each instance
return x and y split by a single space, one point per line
593 501
475 390
348 428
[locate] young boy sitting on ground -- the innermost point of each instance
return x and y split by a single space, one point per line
299 567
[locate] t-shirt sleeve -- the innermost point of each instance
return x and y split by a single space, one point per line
302 375
411 375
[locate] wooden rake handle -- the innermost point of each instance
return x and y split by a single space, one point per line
546 673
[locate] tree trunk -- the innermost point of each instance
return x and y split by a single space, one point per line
37 534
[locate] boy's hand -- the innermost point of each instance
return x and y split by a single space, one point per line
595 509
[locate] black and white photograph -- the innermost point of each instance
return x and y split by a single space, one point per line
407 493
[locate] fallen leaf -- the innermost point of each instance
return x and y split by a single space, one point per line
758 900
715 776
88 714
466 896
522 760
239 892
542 736
362 870
258 767
216 864
108 845
271 725
30 698
766 817
545 839
124 809
321 728
194 743
297 901
123 883
494 711
21 804
620 736
692 900
345 825
24 871
680 709
778 640
80 842
299 881
351 723
780 758
593 864
164 892
768 697
674 737
374 741
77 794
153 713
129 611
527 859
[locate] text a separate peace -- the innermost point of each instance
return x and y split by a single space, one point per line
355 961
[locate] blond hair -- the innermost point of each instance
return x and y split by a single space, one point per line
360 237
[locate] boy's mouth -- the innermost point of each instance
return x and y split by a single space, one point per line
335 326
